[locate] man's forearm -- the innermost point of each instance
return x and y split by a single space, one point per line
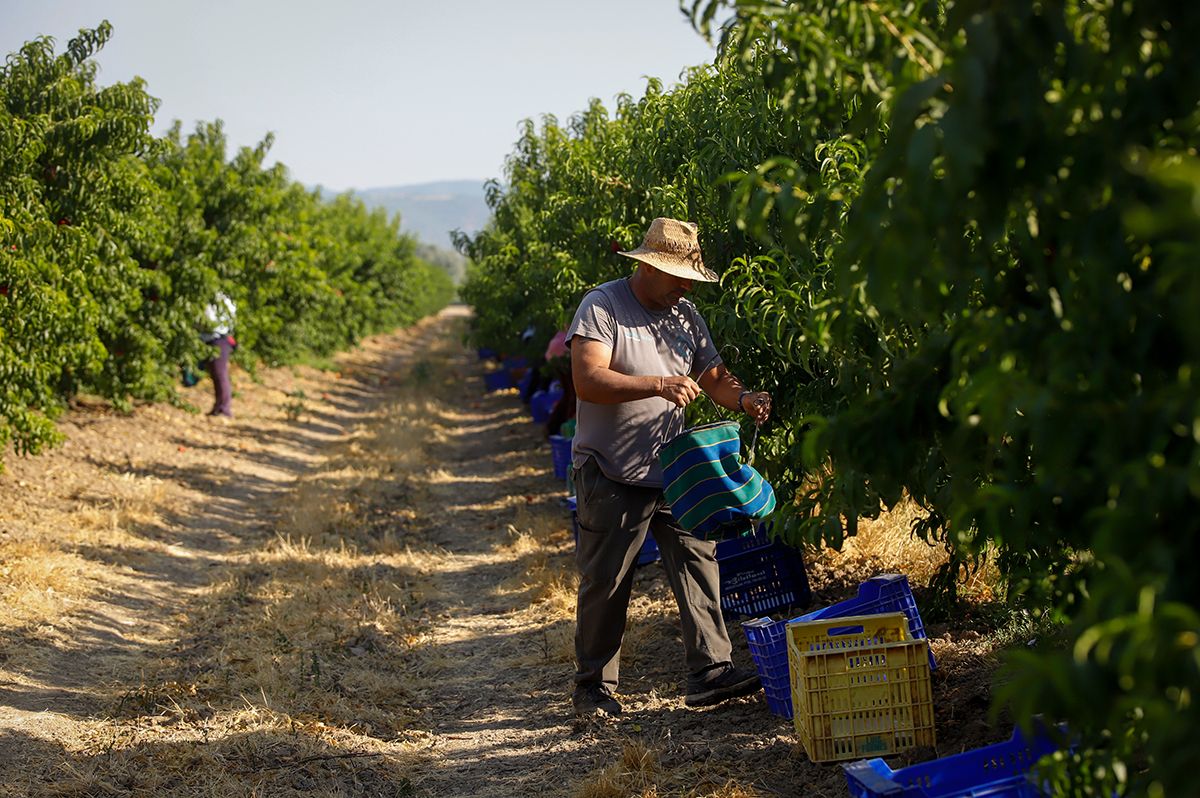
607 387
731 393
726 391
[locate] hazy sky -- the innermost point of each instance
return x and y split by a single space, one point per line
363 93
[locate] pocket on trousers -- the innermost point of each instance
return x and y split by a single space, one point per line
592 496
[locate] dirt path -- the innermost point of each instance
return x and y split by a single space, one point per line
501 718
131 518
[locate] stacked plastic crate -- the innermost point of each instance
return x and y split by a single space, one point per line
760 575
560 455
860 685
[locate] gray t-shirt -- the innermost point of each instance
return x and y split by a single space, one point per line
625 438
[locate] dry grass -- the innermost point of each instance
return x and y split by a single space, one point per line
635 773
536 539
43 573
123 502
312 631
544 583
292 672
248 752
316 622
39 582
887 545
639 773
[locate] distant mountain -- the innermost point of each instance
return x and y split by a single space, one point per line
431 210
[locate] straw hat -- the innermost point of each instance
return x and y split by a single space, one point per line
671 246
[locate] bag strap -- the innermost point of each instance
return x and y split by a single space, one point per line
717 356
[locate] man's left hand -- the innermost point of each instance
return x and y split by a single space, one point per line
757 405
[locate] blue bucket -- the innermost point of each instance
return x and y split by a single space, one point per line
543 403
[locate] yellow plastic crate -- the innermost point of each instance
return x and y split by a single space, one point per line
859 688
831 634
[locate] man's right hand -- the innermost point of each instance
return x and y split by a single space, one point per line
679 391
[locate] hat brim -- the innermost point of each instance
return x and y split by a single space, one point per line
673 265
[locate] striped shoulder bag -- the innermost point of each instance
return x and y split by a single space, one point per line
713 493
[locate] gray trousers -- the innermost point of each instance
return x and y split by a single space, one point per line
614 519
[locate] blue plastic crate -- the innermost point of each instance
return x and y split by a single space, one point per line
762 579
487 354
497 381
765 636
767 639
560 455
649 552
732 546
996 771
883 593
768 648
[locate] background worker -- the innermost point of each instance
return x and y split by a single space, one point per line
217 331
558 362
635 344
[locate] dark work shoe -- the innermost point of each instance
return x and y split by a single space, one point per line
721 684
594 699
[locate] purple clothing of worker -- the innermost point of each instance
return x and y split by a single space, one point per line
218 369
217 331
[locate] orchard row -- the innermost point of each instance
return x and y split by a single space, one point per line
112 242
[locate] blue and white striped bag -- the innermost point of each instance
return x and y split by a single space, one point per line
712 492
